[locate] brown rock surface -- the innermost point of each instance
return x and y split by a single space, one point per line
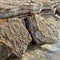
14 37
13 8
9 8
47 28
57 11
5 51
43 30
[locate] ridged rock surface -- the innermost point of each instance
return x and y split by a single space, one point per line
43 30
47 28
9 8
14 38
15 35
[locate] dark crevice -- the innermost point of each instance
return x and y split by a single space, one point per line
26 24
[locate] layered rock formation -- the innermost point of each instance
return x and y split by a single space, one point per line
43 30
57 11
13 8
20 23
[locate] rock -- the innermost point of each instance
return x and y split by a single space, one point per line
13 37
49 47
34 52
57 11
13 8
55 0
5 51
47 28
42 30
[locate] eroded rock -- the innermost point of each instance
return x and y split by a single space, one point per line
21 7
13 8
5 51
57 11
43 30
14 36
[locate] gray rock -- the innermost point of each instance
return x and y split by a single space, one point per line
49 47
5 51
43 30
13 8
14 36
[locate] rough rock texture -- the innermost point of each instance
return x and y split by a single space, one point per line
5 51
57 11
14 7
43 30
21 7
13 37
34 52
